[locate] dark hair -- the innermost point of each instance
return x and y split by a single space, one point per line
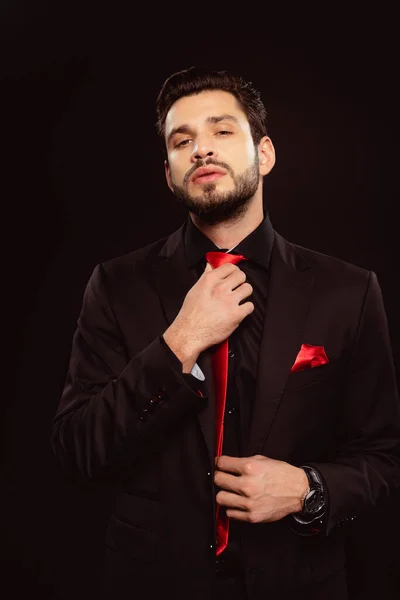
198 79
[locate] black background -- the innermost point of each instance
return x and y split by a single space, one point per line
82 181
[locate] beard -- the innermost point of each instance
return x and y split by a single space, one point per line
214 207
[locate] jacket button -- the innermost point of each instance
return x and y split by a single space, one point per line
144 414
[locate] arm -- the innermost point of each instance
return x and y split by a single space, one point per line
185 366
115 410
367 465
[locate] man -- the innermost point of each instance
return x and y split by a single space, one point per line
306 406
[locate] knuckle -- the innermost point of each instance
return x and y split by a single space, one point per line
248 467
252 517
244 504
246 490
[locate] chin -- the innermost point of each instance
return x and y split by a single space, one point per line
212 188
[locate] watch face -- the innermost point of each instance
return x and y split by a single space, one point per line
314 501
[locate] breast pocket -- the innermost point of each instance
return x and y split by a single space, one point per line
313 375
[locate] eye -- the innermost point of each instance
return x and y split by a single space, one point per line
223 132
182 143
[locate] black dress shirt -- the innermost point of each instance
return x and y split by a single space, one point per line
244 343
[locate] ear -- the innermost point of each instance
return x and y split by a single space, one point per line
168 174
266 155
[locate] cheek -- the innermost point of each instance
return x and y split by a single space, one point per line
249 156
176 173
241 161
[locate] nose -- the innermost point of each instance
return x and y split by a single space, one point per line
203 149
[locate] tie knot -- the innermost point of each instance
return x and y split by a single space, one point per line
219 258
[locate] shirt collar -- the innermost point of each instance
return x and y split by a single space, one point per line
257 246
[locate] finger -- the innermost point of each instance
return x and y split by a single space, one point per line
238 515
230 464
249 306
226 269
236 279
244 291
230 500
227 481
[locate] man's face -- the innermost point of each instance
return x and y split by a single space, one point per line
213 165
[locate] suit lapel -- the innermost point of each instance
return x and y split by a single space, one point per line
173 280
288 299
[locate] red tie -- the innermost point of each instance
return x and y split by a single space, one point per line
220 372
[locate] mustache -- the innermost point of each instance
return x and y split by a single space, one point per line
205 163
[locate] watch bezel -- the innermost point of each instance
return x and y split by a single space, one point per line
314 501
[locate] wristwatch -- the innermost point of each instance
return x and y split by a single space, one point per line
314 500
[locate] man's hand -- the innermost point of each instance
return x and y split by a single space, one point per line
259 489
210 312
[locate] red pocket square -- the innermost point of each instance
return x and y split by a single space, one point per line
309 356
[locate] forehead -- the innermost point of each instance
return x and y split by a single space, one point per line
195 109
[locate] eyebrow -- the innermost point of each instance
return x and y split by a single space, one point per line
212 120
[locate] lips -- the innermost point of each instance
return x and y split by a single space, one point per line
204 174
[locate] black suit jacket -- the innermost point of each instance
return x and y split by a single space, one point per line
127 416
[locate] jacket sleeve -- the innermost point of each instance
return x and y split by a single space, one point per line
366 468
115 410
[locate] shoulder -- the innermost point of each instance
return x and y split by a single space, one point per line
323 266
335 282
140 258
119 272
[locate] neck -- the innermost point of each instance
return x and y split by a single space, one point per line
229 234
